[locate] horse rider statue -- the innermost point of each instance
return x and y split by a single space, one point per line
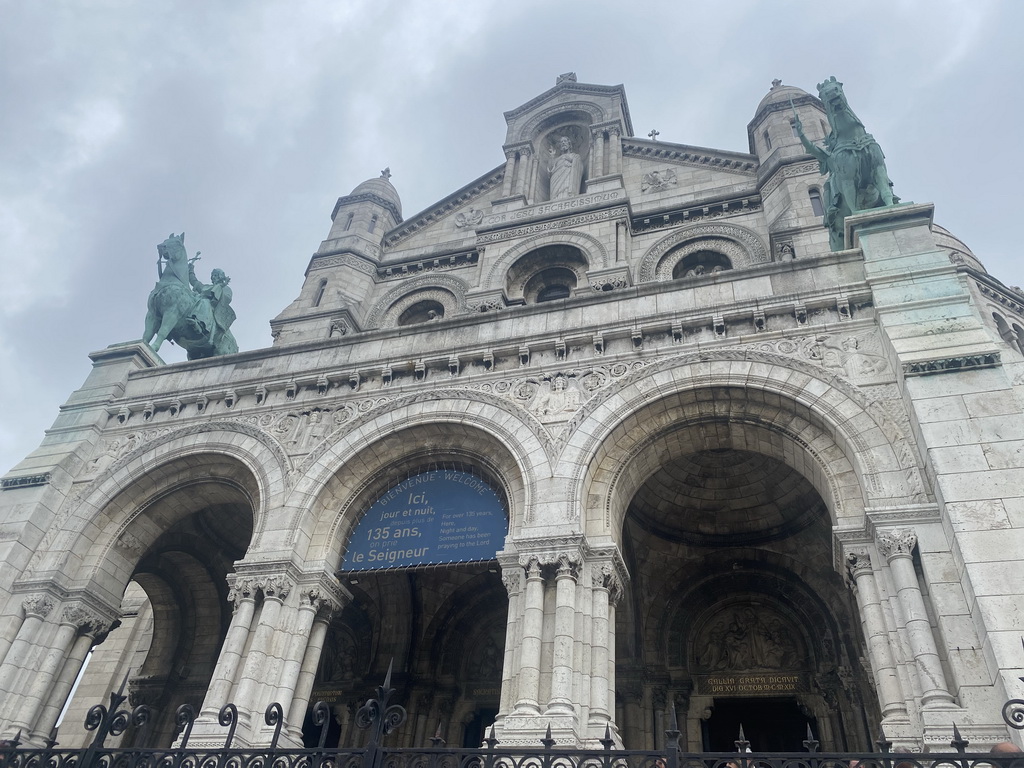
857 179
184 310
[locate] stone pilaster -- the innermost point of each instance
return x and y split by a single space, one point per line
567 570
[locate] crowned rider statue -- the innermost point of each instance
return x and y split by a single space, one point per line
183 309
857 179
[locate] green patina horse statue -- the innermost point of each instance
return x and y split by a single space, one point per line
184 310
857 179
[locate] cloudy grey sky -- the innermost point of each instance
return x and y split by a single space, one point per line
242 123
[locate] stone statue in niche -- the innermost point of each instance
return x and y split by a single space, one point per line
744 639
337 662
566 169
487 664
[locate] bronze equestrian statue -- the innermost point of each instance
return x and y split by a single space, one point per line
185 311
857 179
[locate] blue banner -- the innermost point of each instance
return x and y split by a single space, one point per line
441 516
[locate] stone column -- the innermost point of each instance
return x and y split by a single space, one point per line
525 168
529 650
600 713
615 139
512 578
253 677
31 701
876 634
295 652
322 608
510 166
87 627
37 608
597 163
565 620
243 596
897 546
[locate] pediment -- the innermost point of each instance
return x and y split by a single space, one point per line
451 219
583 103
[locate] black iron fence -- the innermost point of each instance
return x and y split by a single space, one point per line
380 718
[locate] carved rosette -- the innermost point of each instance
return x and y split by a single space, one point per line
38 606
896 543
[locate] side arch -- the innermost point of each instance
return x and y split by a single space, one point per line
93 525
743 247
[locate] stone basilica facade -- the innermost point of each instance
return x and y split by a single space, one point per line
737 475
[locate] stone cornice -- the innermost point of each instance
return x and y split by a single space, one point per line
699 157
367 197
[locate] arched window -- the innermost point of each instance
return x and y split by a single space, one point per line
422 312
553 293
550 285
1018 337
373 223
320 293
701 263
792 127
348 222
816 206
767 141
1004 329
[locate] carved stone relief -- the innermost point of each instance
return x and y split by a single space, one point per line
742 638
471 217
658 180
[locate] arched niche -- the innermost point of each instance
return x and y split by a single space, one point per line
531 278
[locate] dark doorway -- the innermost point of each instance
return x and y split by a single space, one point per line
473 736
769 724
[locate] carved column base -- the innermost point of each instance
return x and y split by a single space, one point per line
529 730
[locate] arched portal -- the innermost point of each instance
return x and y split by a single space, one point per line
420 603
734 612
723 499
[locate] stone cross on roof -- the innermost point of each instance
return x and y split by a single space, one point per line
386 173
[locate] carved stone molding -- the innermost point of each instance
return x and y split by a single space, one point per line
435 283
83 619
276 586
896 543
952 364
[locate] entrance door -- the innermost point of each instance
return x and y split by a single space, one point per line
769 724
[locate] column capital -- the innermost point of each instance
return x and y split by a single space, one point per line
896 543
37 605
83 620
858 563
512 578
277 586
241 589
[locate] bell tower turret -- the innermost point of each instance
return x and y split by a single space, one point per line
341 273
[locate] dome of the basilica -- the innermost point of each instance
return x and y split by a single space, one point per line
780 94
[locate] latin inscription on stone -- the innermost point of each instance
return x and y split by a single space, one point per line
771 684
442 516
558 206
